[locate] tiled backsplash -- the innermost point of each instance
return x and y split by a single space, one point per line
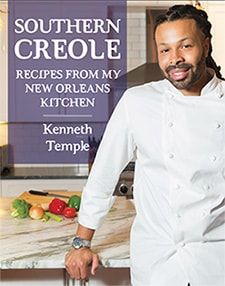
136 37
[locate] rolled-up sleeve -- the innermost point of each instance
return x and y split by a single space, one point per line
115 151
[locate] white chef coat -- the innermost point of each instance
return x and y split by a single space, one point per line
178 235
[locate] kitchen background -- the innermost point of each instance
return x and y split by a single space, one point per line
141 63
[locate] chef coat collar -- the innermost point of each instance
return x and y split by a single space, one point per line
214 85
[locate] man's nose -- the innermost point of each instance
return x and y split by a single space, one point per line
176 57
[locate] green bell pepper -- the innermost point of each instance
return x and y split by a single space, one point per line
74 202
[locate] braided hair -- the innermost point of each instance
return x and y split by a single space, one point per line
178 12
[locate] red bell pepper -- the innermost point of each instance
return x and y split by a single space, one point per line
57 206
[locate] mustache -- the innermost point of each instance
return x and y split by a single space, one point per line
180 66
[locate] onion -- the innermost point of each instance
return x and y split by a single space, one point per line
36 212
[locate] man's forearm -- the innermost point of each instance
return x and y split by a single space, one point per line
84 232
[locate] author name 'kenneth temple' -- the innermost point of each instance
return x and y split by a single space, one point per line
74 148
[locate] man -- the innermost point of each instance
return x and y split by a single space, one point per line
175 127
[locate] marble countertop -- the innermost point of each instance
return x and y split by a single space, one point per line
26 243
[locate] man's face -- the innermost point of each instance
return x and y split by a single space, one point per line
182 50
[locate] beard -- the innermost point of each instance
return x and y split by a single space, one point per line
193 74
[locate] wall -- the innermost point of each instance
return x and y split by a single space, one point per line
216 12
136 37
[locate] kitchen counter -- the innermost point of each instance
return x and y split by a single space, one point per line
20 173
27 243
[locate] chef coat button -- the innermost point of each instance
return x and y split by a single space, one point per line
170 124
181 244
214 158
179 216
171 155
177 187
206 187
218 125
221 95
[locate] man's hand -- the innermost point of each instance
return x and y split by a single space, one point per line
78 260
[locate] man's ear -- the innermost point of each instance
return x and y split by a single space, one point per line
206 45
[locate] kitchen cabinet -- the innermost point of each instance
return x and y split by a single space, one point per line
54 277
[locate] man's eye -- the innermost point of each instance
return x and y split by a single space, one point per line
186 46
164 51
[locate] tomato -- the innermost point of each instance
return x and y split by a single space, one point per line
69 212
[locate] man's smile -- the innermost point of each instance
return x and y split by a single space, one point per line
179 73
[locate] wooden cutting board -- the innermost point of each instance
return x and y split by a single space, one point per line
36 199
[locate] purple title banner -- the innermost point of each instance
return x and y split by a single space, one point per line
65 60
